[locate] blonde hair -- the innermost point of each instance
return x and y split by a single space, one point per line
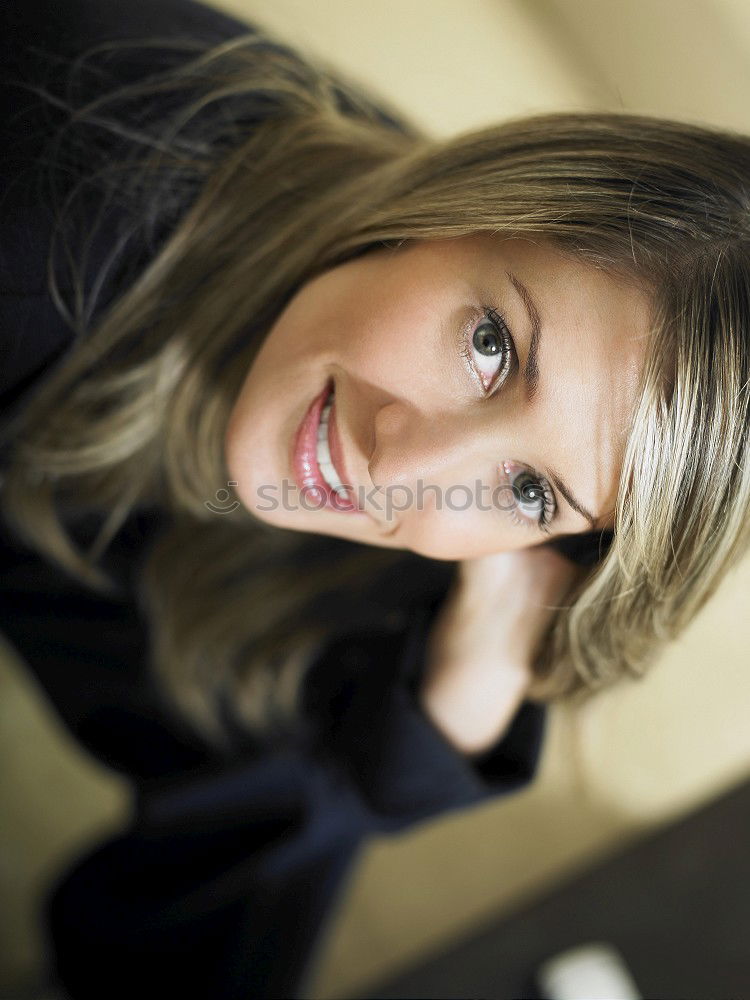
276 170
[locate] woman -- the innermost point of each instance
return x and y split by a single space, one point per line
325 412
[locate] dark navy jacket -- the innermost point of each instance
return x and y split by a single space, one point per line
223 881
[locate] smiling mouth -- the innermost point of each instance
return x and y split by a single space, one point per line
323 452
316 458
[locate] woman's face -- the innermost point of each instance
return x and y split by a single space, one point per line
482 390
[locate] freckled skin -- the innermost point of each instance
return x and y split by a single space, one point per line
390 328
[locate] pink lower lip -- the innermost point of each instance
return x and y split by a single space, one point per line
304 461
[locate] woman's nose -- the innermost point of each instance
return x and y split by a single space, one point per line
411 445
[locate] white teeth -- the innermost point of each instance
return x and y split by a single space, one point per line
323 453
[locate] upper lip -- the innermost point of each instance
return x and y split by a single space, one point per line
337 450
337 447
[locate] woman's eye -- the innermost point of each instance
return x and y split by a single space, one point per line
533 501
491 350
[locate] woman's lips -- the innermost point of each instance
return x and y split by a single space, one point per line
334 445
316 493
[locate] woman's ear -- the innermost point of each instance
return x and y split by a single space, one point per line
586 549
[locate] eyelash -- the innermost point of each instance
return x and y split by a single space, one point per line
549 507
492 316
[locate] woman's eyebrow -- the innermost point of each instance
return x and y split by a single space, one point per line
572 502
531 379
531 369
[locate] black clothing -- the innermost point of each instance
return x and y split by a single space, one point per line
221 885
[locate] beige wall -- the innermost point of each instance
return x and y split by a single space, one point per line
687 59
451 65
457 64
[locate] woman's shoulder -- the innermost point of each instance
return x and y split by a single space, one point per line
71 196
68 27
74 50
55 57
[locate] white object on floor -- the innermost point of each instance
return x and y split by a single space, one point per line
594 971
